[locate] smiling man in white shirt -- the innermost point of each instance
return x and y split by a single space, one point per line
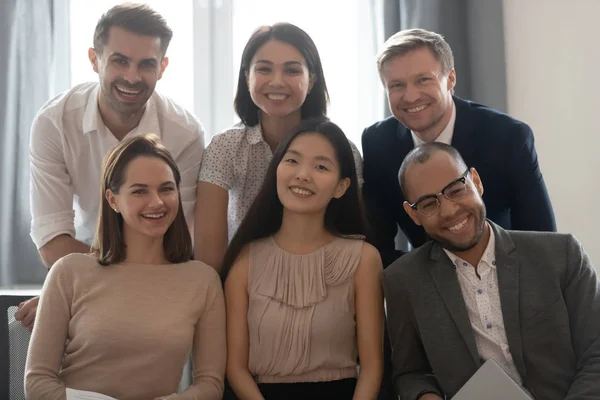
72 132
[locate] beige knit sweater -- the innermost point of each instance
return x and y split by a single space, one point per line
126 330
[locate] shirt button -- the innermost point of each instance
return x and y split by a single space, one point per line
464 264
479 291
489 326
494 262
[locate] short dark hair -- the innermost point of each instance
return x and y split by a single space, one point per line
135 18
109 243
316 101
421 154
344 216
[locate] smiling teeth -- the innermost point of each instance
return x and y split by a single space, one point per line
302 192
128 91
154 216
459 226
276 96
417 109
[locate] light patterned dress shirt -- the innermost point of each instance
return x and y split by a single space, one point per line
482 299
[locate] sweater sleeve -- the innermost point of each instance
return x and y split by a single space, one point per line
209 352
47 345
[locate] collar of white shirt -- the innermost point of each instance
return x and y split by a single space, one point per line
488 257
92 120
445 136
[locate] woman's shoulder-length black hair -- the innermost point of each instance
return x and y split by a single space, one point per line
315 104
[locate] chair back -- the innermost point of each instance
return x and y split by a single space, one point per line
14 341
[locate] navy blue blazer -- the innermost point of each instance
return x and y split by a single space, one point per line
499 147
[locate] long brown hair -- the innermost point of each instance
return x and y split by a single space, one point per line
109 243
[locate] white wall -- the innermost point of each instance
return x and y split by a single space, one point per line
553 82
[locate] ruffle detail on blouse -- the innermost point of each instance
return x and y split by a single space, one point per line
301 280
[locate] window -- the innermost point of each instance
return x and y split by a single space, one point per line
202 78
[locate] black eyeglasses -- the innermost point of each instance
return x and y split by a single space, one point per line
454 191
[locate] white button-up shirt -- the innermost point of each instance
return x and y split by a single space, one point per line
482 298
445 136
237 160
68 143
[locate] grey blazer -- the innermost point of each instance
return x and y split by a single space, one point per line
550 299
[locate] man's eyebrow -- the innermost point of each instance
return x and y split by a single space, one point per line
116 54
430 195
424 197
151 60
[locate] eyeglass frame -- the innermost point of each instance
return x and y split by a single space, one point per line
463 179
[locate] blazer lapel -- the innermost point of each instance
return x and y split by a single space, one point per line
508 269
406 141
446 281
463 138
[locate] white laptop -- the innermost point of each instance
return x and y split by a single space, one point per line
490 382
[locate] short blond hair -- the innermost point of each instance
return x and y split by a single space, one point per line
408 40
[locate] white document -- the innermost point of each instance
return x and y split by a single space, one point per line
490 382
73 394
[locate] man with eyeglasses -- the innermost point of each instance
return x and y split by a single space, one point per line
530 301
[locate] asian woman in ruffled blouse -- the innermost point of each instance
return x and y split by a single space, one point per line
302 285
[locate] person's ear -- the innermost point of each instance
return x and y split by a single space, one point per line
413 214
477 181
164 63
111 199
93 57
341 188
311 83
451 81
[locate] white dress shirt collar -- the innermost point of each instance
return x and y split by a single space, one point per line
93 122
488 257
445 136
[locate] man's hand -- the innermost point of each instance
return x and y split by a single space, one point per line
430 396
26 312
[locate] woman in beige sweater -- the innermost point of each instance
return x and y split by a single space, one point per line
301 285
122 321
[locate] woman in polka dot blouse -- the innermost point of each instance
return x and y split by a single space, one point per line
280 83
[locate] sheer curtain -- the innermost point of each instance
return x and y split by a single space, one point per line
28 77
475 31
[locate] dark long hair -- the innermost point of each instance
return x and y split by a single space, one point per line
109 242
315 104
344 216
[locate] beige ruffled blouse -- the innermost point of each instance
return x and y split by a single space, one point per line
301 316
